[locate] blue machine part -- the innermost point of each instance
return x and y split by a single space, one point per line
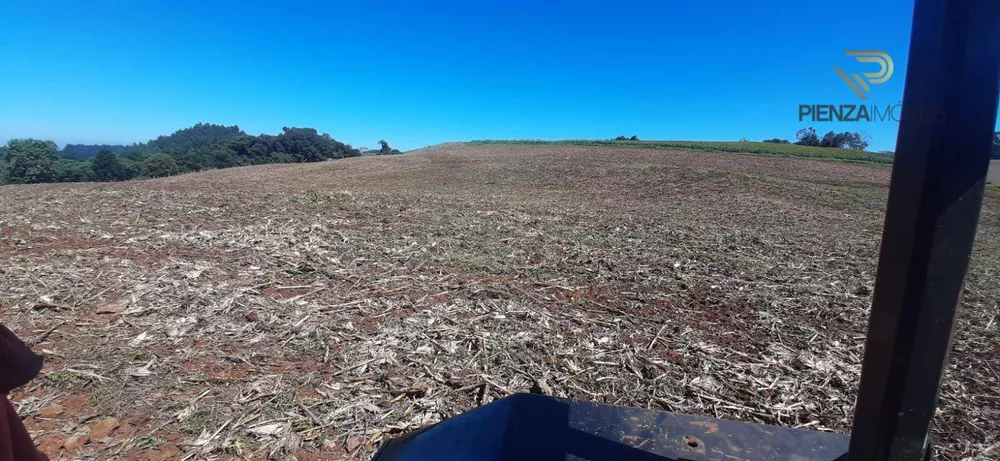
537 427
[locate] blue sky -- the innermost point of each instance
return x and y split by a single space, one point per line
421 72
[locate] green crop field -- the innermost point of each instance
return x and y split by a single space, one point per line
740 147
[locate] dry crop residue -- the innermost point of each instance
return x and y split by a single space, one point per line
317 310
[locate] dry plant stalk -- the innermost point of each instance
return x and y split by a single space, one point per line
314 311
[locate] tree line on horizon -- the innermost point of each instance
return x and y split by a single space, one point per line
204 146
808 137
832 139
857 141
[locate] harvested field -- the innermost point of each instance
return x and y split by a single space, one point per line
315 310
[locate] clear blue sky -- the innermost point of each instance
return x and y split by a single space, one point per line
421 72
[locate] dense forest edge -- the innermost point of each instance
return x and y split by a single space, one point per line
204 146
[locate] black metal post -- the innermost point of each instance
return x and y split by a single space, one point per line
942 155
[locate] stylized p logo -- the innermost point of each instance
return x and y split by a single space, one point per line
870 78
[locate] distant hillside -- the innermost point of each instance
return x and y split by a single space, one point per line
199 136
742 147
81 151
442 147
204 146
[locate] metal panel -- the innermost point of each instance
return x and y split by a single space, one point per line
536 427
942 155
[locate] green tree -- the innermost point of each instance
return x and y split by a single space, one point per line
85 151
30 160
160 165
855 141
995 152
280 157
807 137
831 139
197 137
200 147
386 150
107 167
304 144
69 170
129 168
133 155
